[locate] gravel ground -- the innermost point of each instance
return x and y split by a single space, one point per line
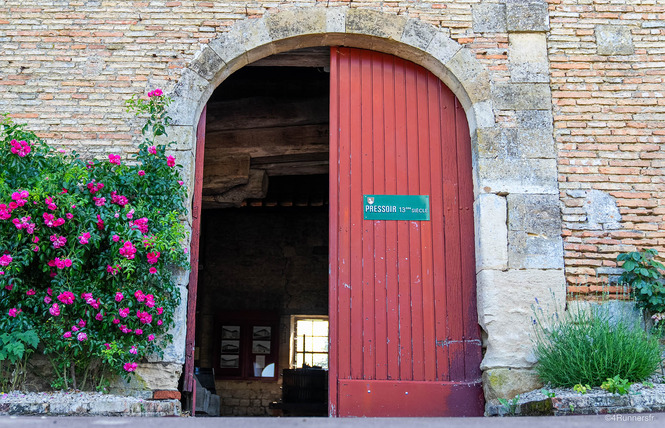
658 382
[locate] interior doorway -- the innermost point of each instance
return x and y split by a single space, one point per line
263 270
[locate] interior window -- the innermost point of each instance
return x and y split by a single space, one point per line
310 341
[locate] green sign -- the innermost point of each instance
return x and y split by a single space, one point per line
396 207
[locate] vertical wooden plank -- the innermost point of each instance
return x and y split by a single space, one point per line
452 244
403 271
378 143
366 173
333 225
344 216
413 74
427 88
472 344
194 258
437 107
392 286
356 213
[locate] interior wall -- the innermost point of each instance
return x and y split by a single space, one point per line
268 259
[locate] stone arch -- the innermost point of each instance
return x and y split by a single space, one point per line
502 185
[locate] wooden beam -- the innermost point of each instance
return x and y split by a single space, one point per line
266 112
222 173
306 57
267 142
256 188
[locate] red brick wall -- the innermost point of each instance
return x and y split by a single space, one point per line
609 119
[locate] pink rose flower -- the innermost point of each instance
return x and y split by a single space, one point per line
153 257
152 150
14 311
99 316
141 173
151 338
81 337
5 260
138 332
30 292
67 334
152 270
114 159
170 161
123 312
67 297
84 238
130 367
119 296
133 350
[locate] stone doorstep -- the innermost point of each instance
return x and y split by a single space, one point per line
94 406
589 404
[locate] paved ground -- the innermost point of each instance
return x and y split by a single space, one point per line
636 419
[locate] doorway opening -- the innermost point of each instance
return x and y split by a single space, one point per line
263 270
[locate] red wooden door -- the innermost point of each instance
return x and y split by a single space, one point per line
404 334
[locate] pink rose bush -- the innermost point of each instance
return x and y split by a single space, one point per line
87 248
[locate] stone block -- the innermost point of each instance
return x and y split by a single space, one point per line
534 214
601 211
491 232
535 119
443 48
190 90
182 136
336 20
489 18
522 96
507 383
418 34
527 15
483 115
296 22
614 40
174 352
157 376
206 63
373 23
110 407
528 251
527 54
517 176
472 75
506 309
516 143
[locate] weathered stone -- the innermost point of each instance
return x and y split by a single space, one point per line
507 383
529 251
601 210
156 376
175 351
489 18
336 20
373 23
527 15
418 34
483 115
506 311
182 136
516 143
517 175
614 40
206 63
535 119
522 96
491 232
472 75
527 53
534 214
291 23
443 48
190 90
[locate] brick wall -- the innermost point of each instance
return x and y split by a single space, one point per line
607 61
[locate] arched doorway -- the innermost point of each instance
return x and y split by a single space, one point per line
403 324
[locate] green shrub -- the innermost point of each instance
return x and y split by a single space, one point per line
589 346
